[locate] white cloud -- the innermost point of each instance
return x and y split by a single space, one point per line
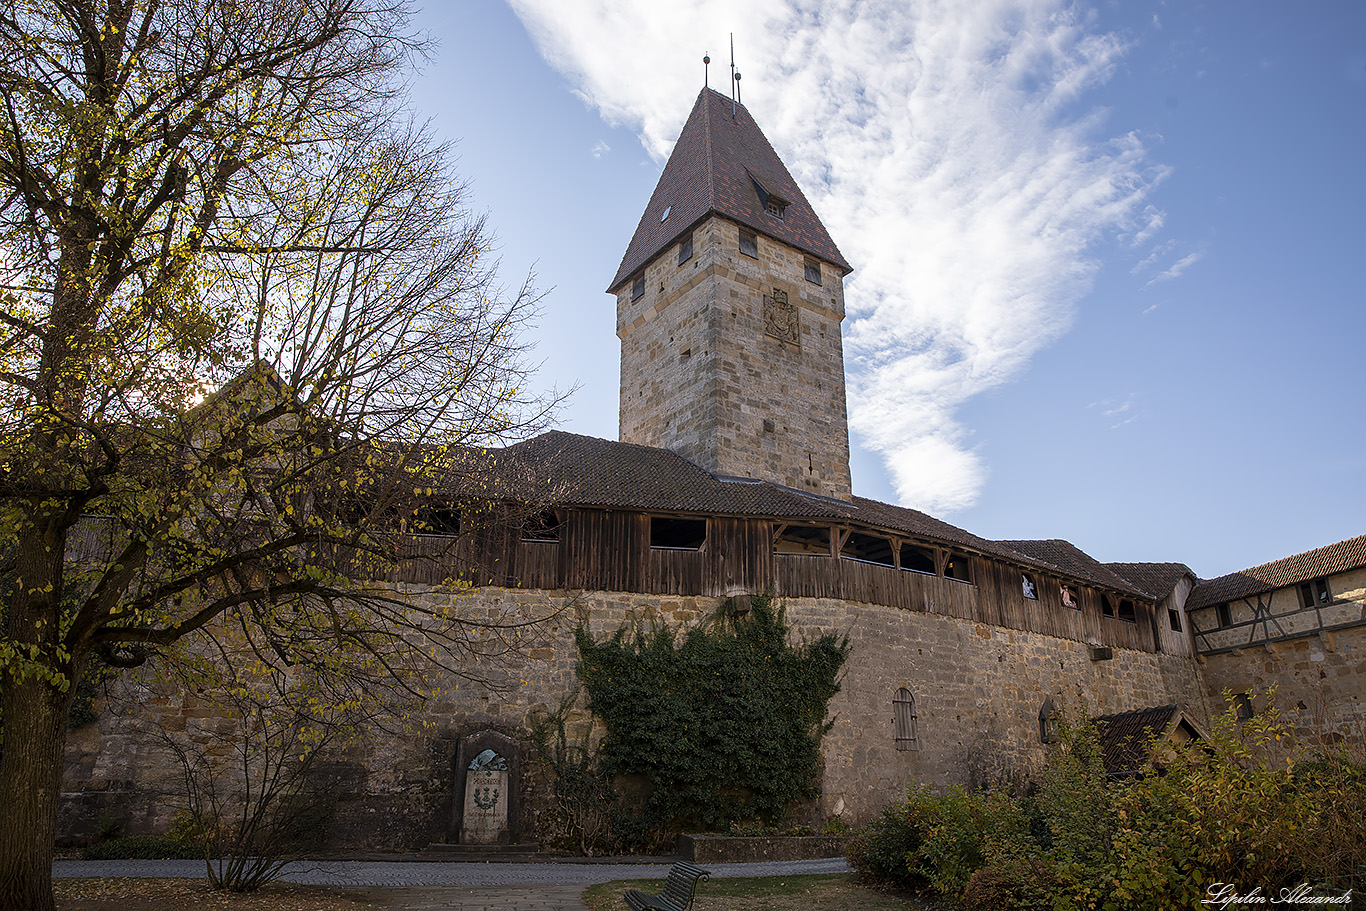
600 148
1178 268
947 150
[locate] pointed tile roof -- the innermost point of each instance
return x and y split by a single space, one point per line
724 165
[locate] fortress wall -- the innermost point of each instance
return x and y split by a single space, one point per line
978 690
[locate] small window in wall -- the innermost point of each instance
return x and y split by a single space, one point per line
543 528
904 721
1314 593
957 567
1126 611
1069 598
1242 706
867 549
1223 616
802 539
677 534
1174 619
813 271
444 522
749 244
685 250
1030 589
1048 722
917 559
638 288
1107 607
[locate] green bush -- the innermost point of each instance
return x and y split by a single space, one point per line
887 849
961 831
722 722
1019 884
145 847
1252 807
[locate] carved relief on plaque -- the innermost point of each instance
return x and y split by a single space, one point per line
780 318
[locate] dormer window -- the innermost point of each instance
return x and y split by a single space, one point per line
774 205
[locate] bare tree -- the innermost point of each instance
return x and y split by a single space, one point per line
248 323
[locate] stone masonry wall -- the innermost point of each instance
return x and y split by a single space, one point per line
1319 681
701 376
977 688
1317 673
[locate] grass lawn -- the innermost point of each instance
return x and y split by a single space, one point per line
127 894
816 892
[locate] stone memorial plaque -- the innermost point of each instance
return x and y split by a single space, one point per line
486 801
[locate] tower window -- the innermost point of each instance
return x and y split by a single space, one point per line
638 288
1223 616
1174 619
749 244
813 272
904 732
685 250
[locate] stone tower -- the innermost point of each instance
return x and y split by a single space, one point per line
729 304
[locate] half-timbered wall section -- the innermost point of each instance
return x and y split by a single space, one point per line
1318 605
1298 625
718 556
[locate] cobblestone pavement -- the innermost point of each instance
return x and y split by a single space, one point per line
443 873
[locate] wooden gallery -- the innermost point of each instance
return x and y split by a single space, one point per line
731 478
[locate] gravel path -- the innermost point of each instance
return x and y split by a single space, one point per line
444 873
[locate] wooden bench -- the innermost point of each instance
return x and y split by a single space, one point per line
678 893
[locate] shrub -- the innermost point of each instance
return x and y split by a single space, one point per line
1251 806
1019 884
887 848
145 847
961 830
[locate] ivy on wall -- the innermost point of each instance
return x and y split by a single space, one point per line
723 722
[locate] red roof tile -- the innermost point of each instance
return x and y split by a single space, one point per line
1125 737
714 168
1287 571
590 472
1073 561
1157 579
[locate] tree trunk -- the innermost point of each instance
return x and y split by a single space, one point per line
35 721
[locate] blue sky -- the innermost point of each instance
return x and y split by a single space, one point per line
1108 279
